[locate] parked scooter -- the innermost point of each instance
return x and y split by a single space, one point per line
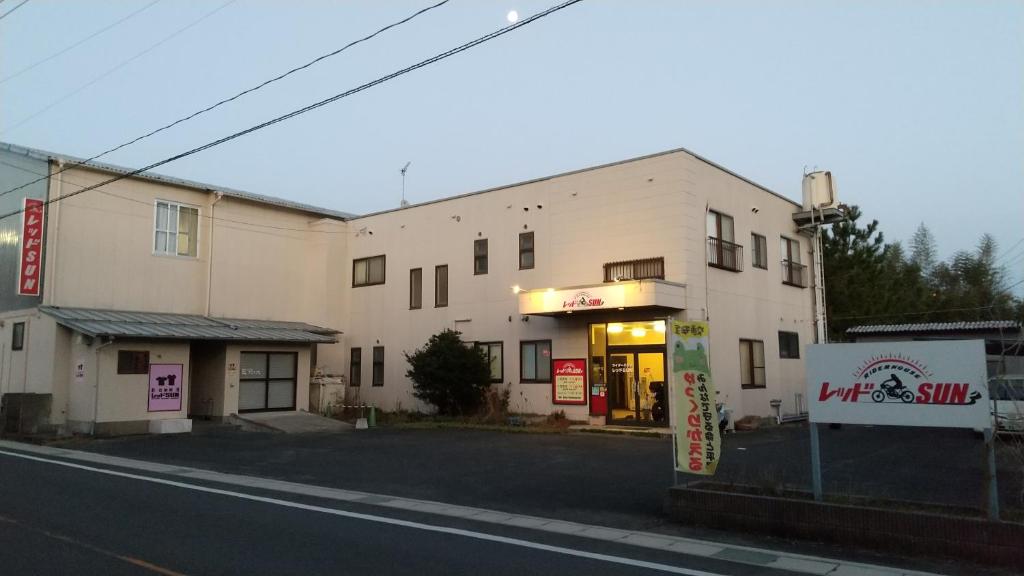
723 413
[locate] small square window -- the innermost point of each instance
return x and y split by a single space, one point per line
535 361
789 345
133 362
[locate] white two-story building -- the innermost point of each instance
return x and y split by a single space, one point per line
238 298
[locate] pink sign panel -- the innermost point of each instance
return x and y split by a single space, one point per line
165 387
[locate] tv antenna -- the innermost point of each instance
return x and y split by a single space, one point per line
404 170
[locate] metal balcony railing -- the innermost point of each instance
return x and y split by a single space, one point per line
635 269
794 274
724 254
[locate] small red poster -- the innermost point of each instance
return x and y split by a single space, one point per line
569 385
30 269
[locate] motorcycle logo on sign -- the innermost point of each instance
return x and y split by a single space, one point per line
898 378
583 300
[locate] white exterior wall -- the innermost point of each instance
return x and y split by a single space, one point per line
652 207
267 262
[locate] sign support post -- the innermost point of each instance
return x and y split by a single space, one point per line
815 462
990 475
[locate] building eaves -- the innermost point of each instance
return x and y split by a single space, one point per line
584 170
155 325
45 155
937 327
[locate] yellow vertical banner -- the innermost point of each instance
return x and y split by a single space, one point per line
694 418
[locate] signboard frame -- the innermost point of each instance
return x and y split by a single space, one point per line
157 382
30 256
555 363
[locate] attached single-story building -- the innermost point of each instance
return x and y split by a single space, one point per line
1004 347
153 286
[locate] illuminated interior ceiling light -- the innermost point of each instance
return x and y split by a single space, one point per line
551 290
516 289
659 326
638 332
615 328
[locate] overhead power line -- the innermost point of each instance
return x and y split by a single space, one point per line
77 44
321 103
123 63
8 13
237 96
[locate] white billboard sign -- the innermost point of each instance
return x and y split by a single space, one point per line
941 384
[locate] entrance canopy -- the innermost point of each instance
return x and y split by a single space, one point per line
155 325
629 294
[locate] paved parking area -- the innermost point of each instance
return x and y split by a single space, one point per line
598 479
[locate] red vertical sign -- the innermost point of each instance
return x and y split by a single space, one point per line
30 270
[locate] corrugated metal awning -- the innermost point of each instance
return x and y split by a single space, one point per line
937 327
156 325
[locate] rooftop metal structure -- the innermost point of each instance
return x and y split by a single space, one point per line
231 192
162 326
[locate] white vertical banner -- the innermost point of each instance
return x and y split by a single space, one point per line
694 418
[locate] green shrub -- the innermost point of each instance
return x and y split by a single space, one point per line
449 375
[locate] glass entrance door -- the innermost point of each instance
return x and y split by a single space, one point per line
637 392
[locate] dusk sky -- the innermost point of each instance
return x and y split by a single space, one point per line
916 107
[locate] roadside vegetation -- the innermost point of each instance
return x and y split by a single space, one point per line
869 281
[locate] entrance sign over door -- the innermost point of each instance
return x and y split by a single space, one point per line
694 417
569 385
941 384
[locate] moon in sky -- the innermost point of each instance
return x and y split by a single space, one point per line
512 16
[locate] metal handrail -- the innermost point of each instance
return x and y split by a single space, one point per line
724 254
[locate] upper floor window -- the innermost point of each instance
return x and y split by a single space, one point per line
368 271
480 256
176 231
759 251
441 286
415 288
723 252
525 250
793 272
720 226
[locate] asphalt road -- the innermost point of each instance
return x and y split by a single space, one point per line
60 519
596 479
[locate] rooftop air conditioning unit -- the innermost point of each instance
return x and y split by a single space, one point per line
819 191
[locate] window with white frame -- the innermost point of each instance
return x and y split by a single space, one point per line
176 231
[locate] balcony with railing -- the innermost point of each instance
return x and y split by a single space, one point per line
794 274
635 270
724 254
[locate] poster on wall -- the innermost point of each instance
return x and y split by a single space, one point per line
942 384
165 387
694 417
569 385
31 259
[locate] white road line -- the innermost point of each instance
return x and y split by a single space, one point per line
383 519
